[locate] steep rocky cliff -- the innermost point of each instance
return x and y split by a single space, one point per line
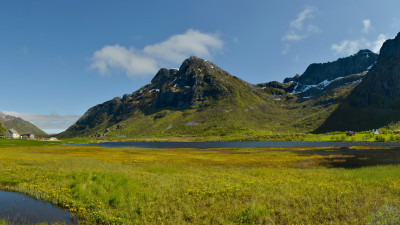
319 76
375 102
358 63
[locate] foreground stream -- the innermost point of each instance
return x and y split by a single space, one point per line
18 208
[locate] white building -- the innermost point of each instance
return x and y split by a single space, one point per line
11 133
27 136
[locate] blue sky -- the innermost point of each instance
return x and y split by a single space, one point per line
59 58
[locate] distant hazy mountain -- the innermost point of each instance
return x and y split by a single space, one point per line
20 125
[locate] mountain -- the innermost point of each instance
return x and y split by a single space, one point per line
198 98
20 125
375 102
319 76
201 99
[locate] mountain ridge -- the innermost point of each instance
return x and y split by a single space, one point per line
20 125
201 99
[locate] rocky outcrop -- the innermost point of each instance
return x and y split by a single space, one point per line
277 88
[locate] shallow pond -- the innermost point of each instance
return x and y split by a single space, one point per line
17 208
356 158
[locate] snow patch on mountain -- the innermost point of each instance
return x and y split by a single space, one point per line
300 88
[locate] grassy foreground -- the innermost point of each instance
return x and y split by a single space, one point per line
200 186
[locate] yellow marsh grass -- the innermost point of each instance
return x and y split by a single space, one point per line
199 186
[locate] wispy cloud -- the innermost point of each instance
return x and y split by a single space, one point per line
137 63
180 46
349 47
366 26
300 28
51 123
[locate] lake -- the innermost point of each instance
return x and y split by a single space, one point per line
243 144
336 154
18 208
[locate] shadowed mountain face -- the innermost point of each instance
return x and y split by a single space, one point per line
20 125
375 102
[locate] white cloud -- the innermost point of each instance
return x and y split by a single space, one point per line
292 36
51 123
298 22
346 46
135 63
300 27
119 58
179 47
377 44
366 26
350 47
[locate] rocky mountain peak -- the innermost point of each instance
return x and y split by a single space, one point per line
365 53
162 76
198 63
197 84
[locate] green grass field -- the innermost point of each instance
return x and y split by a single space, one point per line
200 186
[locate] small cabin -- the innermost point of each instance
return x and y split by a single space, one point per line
12 134
27 136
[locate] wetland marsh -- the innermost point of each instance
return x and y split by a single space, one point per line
248 185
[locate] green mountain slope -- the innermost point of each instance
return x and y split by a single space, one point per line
202 100
20 125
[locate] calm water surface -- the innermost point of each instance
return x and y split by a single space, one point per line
21 209
242 144
336 154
